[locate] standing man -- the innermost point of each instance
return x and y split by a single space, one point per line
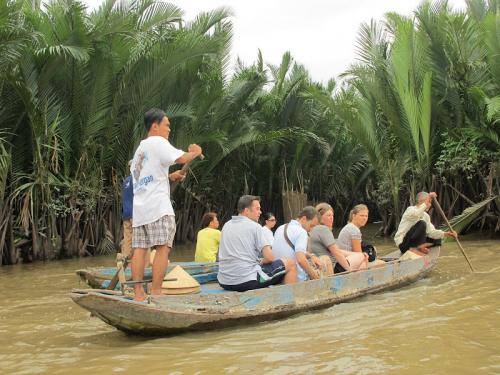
153 216
416 232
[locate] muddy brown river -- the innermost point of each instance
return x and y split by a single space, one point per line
447 323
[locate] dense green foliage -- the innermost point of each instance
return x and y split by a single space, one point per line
419 110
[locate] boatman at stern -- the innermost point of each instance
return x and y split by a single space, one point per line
416 232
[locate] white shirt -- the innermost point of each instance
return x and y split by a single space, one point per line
149 171
410 218
268 233
298 237
347 234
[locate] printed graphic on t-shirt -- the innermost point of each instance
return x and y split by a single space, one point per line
142 159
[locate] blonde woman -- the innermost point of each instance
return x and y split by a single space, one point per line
350 236
323 244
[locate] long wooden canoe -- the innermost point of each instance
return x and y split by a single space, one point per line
100 277
215 308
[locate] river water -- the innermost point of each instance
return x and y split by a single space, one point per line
446 323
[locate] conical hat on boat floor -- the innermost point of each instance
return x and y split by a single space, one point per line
184 280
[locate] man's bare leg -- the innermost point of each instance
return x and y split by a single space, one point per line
160 264
147 258
137 266
291 271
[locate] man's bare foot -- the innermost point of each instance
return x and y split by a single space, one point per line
156 293
423 249
140 297
416 251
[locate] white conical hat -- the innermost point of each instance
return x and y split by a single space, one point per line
184 280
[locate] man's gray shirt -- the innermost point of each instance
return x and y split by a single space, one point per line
241 244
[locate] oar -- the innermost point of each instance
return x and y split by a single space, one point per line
440 210
128 258
116 277
146 281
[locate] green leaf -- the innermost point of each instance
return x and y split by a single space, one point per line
467 217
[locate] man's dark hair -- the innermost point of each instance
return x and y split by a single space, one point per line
152 116
245 201
309 212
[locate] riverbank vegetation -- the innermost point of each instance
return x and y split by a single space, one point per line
418 109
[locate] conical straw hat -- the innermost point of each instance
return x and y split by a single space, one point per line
184 280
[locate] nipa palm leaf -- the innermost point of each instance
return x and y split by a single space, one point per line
467 217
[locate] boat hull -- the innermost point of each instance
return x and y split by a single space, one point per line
214 309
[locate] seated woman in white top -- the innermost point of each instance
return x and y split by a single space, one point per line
269 223
350 236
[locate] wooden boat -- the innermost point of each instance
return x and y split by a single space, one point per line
215 308
100 277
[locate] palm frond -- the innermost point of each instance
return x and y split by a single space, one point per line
467 217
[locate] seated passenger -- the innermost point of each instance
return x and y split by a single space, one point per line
241 245
208 238
290 241
269 223
350 236
322 242
416 232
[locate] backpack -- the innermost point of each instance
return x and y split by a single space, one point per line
370 250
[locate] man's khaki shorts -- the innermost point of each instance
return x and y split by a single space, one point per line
127 237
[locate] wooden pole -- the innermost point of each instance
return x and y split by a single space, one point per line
440 210
184 170
122 265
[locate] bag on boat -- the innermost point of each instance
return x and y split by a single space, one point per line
370 250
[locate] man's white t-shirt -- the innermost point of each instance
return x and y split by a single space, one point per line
298 237
149 171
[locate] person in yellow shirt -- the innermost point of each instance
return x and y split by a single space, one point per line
207 242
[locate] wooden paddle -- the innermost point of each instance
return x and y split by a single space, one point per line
440 210
127 259
146 281
124 263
